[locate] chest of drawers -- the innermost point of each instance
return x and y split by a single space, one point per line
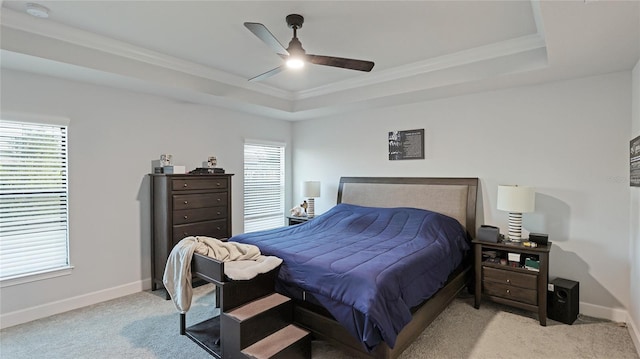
186 205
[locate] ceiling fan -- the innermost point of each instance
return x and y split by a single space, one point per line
294 55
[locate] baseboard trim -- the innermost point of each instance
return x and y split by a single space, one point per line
598 311
635 334
65 305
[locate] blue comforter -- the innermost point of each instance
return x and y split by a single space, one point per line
367 266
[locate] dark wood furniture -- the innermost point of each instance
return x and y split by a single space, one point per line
515 286
210 333
455 197
186 205
293 220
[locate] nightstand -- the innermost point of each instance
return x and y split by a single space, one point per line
293 220
511 283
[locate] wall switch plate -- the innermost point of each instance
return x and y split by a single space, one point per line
550 287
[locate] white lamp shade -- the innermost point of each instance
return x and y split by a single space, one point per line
517 199
311 189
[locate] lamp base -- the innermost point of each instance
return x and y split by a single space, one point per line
515 226
310 208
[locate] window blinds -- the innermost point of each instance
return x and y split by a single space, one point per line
33 198
263 186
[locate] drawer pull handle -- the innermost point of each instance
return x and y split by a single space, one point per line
508 291
186 202
219 200
508 280
184 185
185 217
218 228
217 183
186 234
218 213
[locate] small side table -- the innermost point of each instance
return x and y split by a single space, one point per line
512 285
293 220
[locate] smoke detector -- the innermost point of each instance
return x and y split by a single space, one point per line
37 10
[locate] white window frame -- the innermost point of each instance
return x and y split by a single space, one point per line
273 214
61 269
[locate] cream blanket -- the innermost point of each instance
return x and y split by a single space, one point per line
242 262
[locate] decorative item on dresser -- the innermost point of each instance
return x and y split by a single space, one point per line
513 274
186 205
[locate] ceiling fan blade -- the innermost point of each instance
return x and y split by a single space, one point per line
350 64
267 74
266 36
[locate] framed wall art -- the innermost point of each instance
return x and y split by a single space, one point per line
634 162
406 145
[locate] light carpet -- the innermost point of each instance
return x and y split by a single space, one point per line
144 325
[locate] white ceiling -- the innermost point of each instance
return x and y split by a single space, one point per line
200 52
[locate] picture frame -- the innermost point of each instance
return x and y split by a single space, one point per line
634 162
406 145
166 160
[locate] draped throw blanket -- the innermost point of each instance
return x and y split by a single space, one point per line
242 262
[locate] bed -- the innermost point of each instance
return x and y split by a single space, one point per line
331 284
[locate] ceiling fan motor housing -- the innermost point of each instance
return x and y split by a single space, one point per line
295 21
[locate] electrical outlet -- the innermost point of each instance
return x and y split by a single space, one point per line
550 287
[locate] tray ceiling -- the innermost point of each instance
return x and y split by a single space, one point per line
200 52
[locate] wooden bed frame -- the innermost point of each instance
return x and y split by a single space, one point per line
455 197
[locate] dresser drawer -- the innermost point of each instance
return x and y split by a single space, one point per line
200 200
506 291
215 229
199 215
186 184
521 280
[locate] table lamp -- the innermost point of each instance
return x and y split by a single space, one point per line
311 189
516 200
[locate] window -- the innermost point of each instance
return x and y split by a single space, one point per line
33 198
263 186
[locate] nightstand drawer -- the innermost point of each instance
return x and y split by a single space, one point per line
506 291
507 277
186 184
199 215
200 200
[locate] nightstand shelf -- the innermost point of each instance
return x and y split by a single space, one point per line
510 283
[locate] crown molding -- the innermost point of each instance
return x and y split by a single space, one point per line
51 29
537 17
236 92
492 51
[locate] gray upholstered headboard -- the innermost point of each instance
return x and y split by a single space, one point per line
454 197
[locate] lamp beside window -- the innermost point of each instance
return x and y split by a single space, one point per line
516 200
311 189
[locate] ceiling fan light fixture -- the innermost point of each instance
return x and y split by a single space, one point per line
295 62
